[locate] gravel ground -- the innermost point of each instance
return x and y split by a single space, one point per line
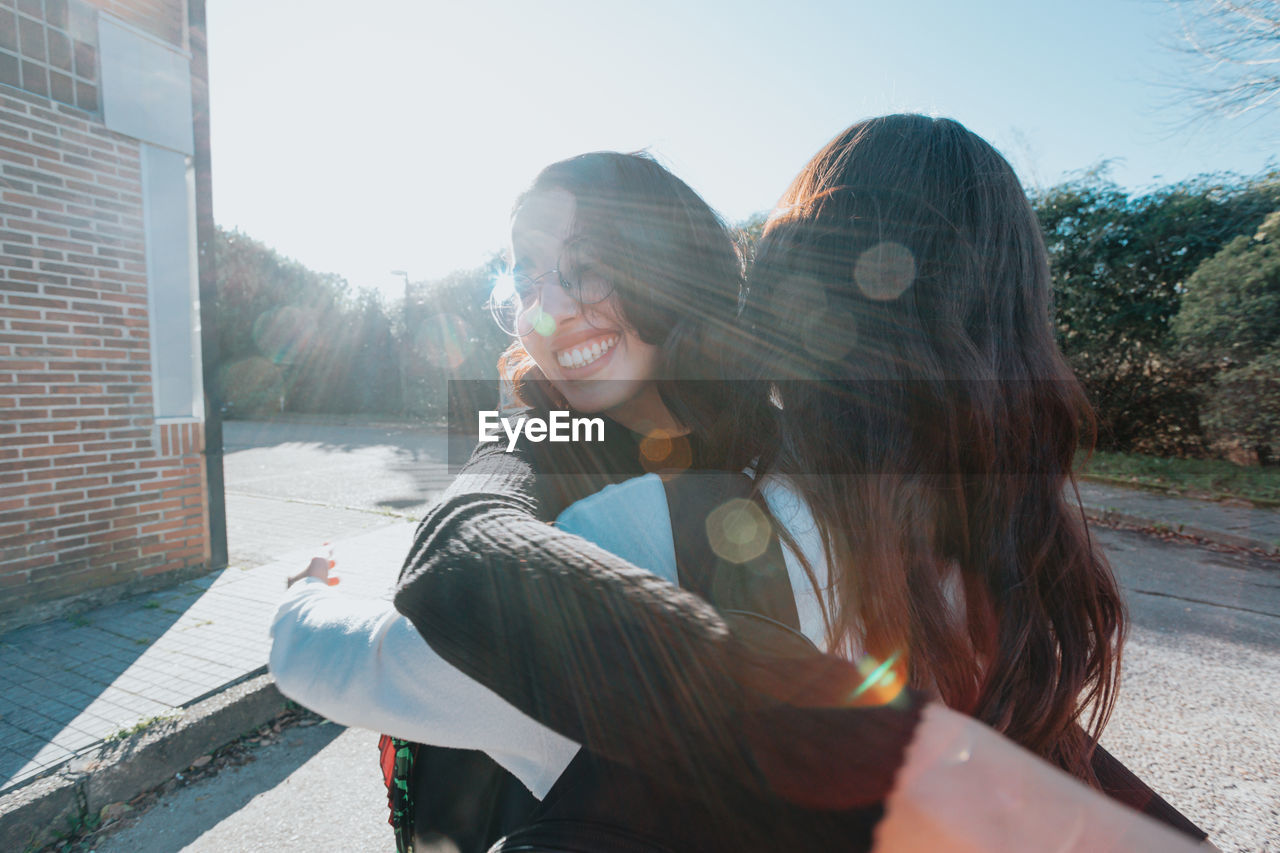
1197 720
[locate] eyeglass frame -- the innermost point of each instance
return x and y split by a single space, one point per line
495 307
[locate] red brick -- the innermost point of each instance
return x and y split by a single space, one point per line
59 497
81 529
25 490
111 492
31 564
51 450
46 426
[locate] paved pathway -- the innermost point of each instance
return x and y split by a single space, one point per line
1215 520
67 685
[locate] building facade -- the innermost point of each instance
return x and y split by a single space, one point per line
103 191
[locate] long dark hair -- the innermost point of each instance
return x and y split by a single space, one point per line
900 305
677 274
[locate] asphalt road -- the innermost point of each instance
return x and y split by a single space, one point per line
1196 715
391 469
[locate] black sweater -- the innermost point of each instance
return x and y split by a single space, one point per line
646 675
640 672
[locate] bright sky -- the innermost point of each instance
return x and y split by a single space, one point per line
393 134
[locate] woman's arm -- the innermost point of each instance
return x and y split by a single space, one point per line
360 663
964 787
650 676
602 651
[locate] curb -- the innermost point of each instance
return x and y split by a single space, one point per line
40 812
1220 537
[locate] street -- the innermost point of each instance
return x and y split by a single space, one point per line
1196 716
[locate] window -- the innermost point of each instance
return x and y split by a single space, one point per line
50 48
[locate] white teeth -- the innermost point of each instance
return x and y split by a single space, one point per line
582 357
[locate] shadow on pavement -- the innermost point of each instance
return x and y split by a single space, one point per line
179 819
71 682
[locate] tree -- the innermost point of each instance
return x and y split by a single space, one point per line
1119 263
1230 313
449 334
292 338
749 231
1237 43
1243 406
1230 322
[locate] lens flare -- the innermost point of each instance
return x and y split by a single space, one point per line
665 454
885 271
253 384
656 446
504 288
830 335
543 324
285 334
883 681
738 531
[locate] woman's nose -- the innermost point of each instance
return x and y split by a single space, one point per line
558 302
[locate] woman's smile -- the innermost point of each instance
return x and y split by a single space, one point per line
574 359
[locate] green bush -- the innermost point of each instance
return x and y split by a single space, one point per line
1229 323
1231 310
1120 262
1243 406
252 386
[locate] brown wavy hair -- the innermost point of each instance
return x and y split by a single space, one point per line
900 306
677 274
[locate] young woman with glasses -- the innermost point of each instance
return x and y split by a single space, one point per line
623 287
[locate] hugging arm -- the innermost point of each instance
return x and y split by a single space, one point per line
633 667
650 676
360 663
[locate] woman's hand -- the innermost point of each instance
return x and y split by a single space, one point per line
317 568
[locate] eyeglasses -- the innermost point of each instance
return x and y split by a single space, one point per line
515 299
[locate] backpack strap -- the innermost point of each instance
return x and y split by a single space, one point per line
726 548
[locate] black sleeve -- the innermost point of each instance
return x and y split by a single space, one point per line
636 669
570 633
643 672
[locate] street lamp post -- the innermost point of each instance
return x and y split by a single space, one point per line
404 314
406 283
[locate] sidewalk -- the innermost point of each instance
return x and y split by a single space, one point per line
72 691
1218 522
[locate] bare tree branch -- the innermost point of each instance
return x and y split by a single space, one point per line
1237 44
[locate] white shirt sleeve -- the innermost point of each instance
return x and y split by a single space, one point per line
360 663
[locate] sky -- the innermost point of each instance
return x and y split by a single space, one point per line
379 136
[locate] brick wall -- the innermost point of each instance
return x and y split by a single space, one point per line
93 492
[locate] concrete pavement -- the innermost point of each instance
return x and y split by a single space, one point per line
74 692
143 682
1221 522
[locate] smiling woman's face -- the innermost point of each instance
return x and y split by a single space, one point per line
590 354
